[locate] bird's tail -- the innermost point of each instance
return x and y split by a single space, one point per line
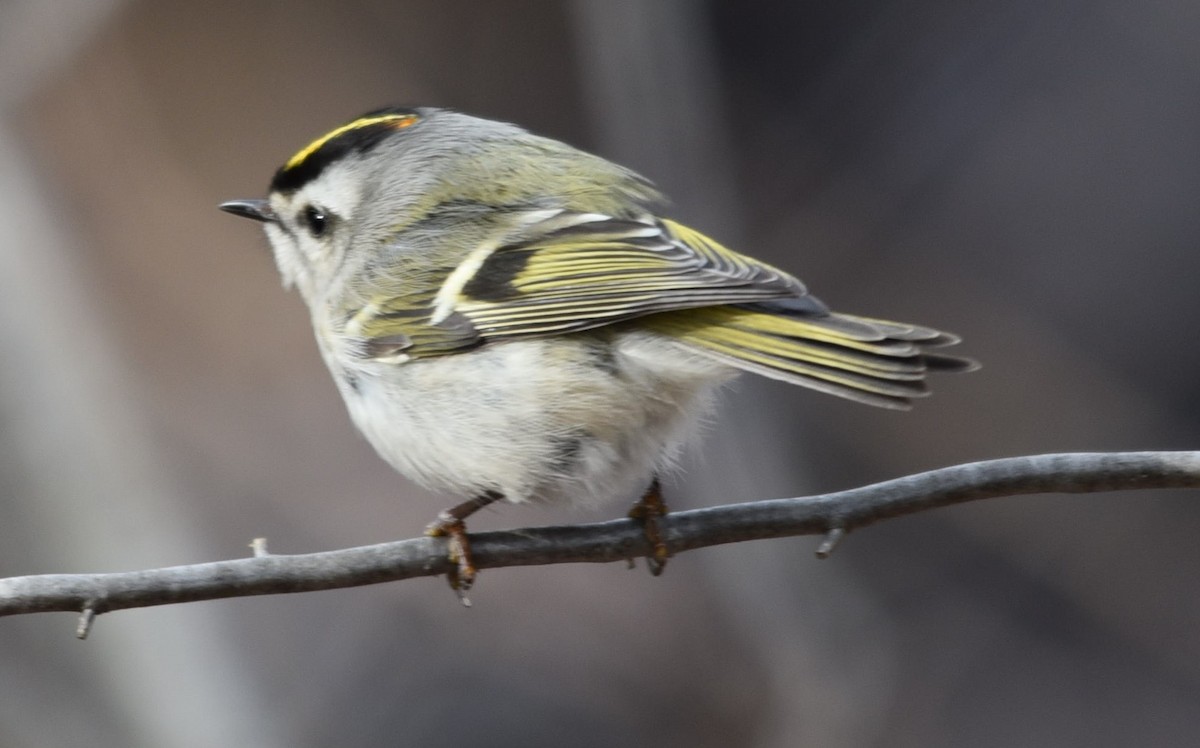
868 360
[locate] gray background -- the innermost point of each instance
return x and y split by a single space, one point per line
1023 173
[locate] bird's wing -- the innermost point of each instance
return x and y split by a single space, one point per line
569 272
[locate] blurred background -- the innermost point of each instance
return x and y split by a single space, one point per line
1024 173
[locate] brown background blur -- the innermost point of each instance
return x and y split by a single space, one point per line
1024 173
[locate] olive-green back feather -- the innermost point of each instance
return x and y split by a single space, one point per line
564 272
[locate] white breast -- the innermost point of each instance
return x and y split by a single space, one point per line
587 418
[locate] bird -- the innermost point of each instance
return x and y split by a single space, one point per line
510 318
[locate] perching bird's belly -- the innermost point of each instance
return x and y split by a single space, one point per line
587 418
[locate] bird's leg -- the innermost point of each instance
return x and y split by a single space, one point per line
451 525
647 510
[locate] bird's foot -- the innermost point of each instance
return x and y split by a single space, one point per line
463 571
648 510
450 524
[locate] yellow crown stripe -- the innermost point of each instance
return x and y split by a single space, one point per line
400 120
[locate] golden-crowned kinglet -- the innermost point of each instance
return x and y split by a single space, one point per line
507 317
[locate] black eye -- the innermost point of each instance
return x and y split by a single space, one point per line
315 220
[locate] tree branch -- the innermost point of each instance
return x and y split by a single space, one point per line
831 514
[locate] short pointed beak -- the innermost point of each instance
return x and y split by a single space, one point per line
259 210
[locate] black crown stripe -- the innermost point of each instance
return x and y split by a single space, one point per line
357 136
